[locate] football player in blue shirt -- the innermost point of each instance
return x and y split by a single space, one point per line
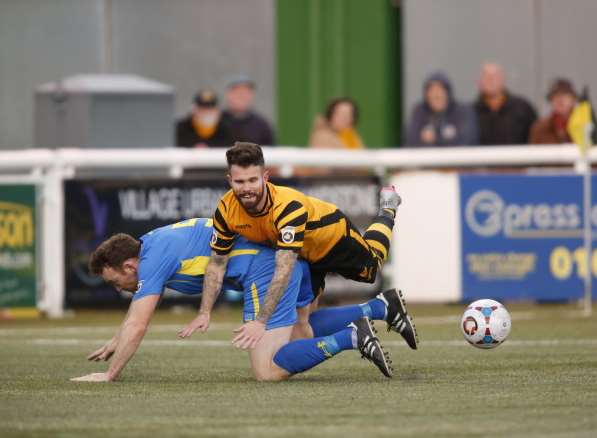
175 256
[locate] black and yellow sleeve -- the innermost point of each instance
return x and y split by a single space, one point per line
290 224
222 238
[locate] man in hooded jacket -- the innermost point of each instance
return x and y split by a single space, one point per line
440 120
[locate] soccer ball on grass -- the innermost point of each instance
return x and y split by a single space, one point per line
485 324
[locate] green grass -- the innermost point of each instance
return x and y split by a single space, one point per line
447 388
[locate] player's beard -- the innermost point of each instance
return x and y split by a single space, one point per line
250 199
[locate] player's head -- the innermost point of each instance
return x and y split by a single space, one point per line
116 260
247 175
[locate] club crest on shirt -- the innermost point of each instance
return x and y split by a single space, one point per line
214 237
287 234
139 286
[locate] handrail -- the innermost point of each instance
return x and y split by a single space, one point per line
403 158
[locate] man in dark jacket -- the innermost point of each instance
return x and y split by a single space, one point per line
203 127
439 120
503 117
243 123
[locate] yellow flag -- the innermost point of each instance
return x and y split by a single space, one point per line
581 123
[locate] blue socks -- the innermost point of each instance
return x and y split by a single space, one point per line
333 319
303 354
331 336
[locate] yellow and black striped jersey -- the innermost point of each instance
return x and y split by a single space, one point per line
289 220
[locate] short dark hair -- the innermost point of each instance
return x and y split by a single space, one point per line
329 111
245 154
113 252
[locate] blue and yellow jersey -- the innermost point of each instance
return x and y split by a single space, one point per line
175 257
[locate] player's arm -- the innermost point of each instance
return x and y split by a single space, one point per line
212 282
132 333
249 334
290 223
130 336
285 261
212 285
106 352
221 245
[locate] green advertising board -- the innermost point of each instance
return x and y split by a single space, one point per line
18 279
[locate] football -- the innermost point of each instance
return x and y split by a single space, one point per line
485 323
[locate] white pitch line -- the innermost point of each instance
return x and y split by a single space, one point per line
149 342
165 328
216 343
80 330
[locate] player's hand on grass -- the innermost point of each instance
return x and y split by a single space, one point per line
201 323
103 353
93 377
248 334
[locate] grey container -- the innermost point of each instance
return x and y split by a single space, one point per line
104 111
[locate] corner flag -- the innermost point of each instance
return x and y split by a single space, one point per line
581 124
581 128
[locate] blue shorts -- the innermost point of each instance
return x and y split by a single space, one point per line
297 294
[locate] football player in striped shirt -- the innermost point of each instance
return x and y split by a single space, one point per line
295 225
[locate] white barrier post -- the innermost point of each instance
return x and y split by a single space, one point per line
52 266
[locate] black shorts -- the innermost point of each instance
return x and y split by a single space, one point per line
351 257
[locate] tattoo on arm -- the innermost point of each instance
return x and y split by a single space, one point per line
212 281
285 260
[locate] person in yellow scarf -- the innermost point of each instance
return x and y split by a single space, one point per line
335 129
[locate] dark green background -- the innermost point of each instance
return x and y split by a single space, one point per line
333 48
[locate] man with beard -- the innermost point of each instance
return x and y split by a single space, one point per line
294 224
175 256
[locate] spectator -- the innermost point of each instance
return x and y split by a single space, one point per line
203 127
336 128
552 129
440 120
243 123
503 117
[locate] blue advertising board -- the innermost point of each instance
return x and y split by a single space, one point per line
522 237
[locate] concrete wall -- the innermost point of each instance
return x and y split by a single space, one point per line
185 43
535 40
426 259
194 43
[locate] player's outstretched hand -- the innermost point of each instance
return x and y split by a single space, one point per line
103 353
248 334
201 323
93 377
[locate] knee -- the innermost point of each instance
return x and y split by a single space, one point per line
270 375
301 331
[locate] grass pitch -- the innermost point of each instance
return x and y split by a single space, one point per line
541 382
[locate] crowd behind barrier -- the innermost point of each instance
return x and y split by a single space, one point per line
497 116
